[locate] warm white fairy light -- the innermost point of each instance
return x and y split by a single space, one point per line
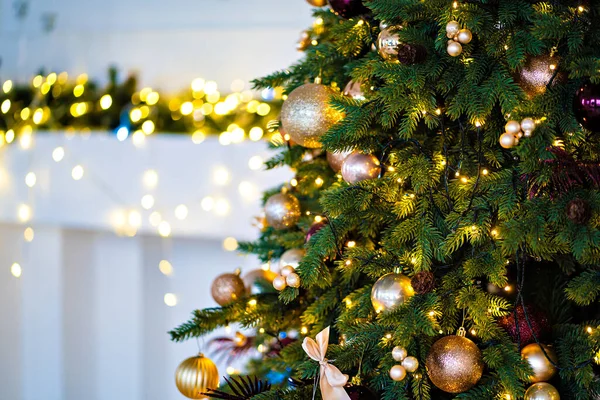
150 179
155 219
207 203
134 218
222 207
255 163
256 133
25 140
138 138
16 270
248 190
165 267
181 212
28 234
24 213
147 202
170 299
106 101
30 179
77 172
164 229
221 176
230 244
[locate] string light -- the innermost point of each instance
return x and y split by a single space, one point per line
170 299
181 212
5 107
7 86
147 201
222 207
106 101
164 229
16 270
122 134
24 213
351 244
30 179
150 179
207 203
77 172
155 218
135 219
255 163
252 303
221 176
165 267
319 182
28 234
198 137
230 244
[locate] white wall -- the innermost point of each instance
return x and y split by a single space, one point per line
169 42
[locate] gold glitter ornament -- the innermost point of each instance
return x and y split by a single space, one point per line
306 114
227 288
454 364
391 291
195 376
536 74
282 211
542 391
543 369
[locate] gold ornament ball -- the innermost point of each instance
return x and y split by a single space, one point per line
291 257
293 280
354 90
257 279
306 114
508 140
282 211
465 36
303 42
454 48
279 283
452 29
317 3
536 74
542 391
454 364
399 353
287 270
336 159
410 363
398 373
391 291
359 167
195 376
512 127
543 369
528 125
227 288
388 43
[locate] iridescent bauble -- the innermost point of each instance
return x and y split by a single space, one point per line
314 228
227 288
454 364
519 329
388 43
348 8
542 391
282 210
354 90
195 376
398 373
536 74
410 364
359 167
336 159
317 3
306 114
587 107
391 291
543 369
291 257
257 280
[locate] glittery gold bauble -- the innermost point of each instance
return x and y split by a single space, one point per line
454 364
282 211
336 159
317 3
390 292
257 279
542 391
543 369
360 167
291 257
227 288
536 74
195 376
306 114
388 43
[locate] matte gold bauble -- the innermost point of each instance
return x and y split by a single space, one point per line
257 280
287 270
279 283
282 211
543 369
388 43
464 36
306 114
291 257
454 48
359 167
508 140
227 288
195 376
293 280
399 353
536 74
317 3
542 391
410 363
398 373
336 159
391 291
454 364
512 127
452 29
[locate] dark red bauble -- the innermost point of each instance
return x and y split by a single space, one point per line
316 227
348 8
360 393
537 318
587 107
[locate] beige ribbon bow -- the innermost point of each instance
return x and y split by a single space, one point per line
332 380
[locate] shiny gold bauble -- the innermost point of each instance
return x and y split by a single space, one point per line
279 283
528 126
336 159
360 167
195 376
508 140
303 42
291 257
542 391
317 3
398 373
454 48
257 279
287 270
391 291
513 127
452 29
399 353
388 43
543 369
410 363
464 36
293 280
306 114
282 210
536 74
227 288
454 364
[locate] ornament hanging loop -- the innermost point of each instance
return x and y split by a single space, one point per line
462 332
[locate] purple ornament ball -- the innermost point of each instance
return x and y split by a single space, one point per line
587 107
316 227
348 8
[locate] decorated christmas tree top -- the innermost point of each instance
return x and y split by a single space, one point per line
441 236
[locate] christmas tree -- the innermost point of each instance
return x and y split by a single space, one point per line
441 234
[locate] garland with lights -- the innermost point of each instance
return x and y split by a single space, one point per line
54 102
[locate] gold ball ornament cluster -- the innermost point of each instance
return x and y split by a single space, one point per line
287 277
457 37
195 376
256 280
306 114
542 391
543 368
514 131
282 211
227 288
359 167
454 363
291 258
408 364
391 291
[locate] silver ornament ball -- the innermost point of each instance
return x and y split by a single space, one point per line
354 90
359 167
391 291
388 42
